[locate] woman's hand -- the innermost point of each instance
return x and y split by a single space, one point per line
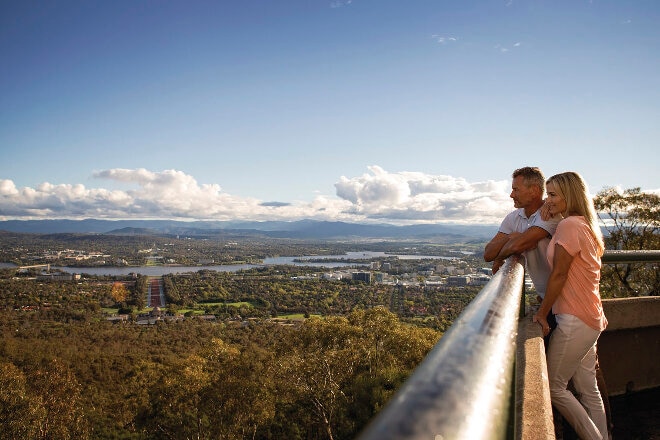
545 212
545 327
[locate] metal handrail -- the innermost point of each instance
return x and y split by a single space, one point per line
462 389
639 256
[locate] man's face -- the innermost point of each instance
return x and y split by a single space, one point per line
523 195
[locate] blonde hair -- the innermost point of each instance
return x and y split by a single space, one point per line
573 189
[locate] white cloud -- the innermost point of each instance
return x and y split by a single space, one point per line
443 39
7 188
378 195
505 49
417 197
340 3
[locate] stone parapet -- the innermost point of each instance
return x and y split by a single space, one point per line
632 313
533 407
629 349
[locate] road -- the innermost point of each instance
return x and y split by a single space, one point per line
156 297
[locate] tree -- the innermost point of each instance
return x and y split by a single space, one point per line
20 413
337 372
119 292
632 222
317 369
60 396
139 295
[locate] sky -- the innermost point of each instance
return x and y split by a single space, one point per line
382 111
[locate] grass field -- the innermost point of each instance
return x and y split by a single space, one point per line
296 316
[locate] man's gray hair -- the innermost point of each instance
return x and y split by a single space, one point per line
531 176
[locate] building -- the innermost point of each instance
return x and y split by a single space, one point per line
362 276
58 277
458 280
479 279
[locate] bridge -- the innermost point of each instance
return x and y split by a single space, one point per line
47 266
487 378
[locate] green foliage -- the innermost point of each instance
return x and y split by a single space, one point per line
45 402
20 411
632 222
191 379
139 292
634 218
322 373
263 294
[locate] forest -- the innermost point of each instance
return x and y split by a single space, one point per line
285 358
324 378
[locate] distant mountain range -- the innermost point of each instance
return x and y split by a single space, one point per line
303 229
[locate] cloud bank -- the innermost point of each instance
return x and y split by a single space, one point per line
376 196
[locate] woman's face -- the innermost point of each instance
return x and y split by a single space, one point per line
556 203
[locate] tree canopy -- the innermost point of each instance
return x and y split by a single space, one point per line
631 219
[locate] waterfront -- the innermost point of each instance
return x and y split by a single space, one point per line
334 261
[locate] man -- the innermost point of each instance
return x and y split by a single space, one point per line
523 231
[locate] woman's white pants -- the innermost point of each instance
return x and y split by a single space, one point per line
572 355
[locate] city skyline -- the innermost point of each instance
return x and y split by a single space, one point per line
383 112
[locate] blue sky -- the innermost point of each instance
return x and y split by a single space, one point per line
362 110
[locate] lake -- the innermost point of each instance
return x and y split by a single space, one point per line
157 271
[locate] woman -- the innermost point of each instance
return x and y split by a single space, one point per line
573 294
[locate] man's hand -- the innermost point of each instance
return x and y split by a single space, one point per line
496 265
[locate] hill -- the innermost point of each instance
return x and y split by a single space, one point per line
303 229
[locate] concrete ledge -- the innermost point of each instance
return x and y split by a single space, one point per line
629 313
629 349
533 420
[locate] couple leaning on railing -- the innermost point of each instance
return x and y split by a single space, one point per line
562 246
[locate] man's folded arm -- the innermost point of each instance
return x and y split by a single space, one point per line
495 245
520 243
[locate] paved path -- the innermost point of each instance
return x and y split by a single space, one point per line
156 297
